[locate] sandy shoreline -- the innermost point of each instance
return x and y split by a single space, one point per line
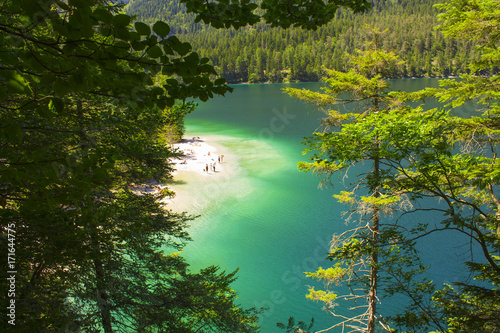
199 157
196 188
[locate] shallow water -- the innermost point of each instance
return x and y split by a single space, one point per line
264 216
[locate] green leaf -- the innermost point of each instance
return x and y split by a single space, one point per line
142 28
45 111
62 5
138 46
79 3
192 59
173 40
161 28
122 33
56 105
208 69
14 133
3 94
15 86
103 15
105 31
122 45
155 52
173 82
203 96
220 81
183 48
151 40
61 87
134 36
121 20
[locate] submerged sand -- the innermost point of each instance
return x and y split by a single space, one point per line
243 164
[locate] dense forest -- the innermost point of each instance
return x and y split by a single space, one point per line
81 123
264 54
88 98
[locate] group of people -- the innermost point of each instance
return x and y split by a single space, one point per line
211 168
212 165
202 158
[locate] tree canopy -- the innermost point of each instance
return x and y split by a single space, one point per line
85 97
261 53
277 13
419 153
83 115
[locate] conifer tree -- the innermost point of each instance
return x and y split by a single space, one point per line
428 154
357 251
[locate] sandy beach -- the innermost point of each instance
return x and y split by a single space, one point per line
199 157
198 189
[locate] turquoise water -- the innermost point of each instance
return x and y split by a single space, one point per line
267 218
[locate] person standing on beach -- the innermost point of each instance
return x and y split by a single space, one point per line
206 168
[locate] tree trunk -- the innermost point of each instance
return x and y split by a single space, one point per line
372 296
102 297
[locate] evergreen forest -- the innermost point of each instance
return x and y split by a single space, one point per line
91 99
260 53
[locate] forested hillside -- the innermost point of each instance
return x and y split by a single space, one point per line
264 54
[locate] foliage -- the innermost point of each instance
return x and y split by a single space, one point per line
300 327
277 13
466 178
421 154
469 309
350 139
268 54
82 117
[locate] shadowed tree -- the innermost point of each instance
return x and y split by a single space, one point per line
82 116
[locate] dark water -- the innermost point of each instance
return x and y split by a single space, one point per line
271 221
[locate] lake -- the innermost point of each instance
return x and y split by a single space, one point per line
267 218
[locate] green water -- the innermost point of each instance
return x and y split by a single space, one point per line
265 217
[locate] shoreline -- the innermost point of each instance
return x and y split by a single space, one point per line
199 156
199 192
196 188
319 81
